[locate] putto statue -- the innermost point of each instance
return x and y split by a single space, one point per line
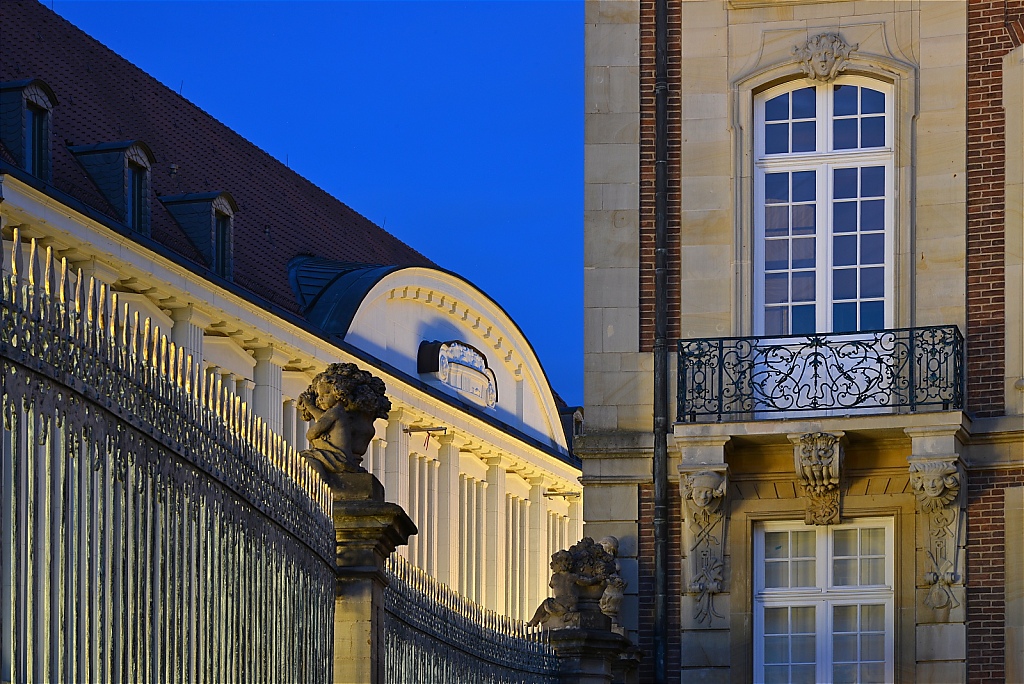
343 402
578 582
611 600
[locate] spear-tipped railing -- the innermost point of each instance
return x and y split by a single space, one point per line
434 634
151 527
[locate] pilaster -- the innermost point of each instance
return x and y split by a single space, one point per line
267 399
187 331
537 552
496 562
938 481
396 459
449 517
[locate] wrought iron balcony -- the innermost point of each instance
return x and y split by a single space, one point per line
744 378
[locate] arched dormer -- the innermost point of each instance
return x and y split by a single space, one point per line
26 120
207 218
418 319
121 172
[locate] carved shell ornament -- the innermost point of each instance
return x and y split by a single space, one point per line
824 56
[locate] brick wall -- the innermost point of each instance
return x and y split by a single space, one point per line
986 576
993 29
647 172
645 564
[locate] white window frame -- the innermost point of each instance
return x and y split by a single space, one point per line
824 596
823 163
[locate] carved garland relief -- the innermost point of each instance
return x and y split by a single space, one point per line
703 494
937 484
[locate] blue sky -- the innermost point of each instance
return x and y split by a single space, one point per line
458 126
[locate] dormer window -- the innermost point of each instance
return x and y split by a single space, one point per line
25 115
207 218
121 171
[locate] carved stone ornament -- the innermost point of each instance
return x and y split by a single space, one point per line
703 494
342 402
579 577
937 483
824 56
611 599
818 457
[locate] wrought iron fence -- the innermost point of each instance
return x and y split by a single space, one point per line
434 634
150 528
744 377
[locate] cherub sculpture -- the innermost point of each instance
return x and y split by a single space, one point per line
342 402
560 609
578 581
611 600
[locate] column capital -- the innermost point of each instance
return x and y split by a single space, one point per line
191 315
396 415
445 439
272 354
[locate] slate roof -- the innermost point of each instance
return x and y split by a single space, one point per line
103 98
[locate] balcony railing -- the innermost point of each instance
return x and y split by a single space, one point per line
744 378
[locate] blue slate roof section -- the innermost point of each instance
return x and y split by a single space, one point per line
330 292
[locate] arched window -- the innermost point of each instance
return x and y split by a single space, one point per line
823 215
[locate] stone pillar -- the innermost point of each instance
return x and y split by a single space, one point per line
449 515
267 400
187 332
244 388
538 549
367 530
938 481
589 656
396 459
496 567
527 571
414 507
482 548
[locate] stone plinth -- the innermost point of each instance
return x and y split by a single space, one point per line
590 656
367 530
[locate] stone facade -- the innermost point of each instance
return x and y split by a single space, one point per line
952 76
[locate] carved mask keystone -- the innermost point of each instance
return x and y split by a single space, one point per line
817 459
824 56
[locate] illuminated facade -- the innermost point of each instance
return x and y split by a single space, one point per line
264 279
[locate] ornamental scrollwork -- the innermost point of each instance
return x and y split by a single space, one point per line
824 56
703 494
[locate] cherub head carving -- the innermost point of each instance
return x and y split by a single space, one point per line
705 489
935 483
824 56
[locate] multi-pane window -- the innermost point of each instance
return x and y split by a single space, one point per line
824 204
37 140
222 244
823 602
136 205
